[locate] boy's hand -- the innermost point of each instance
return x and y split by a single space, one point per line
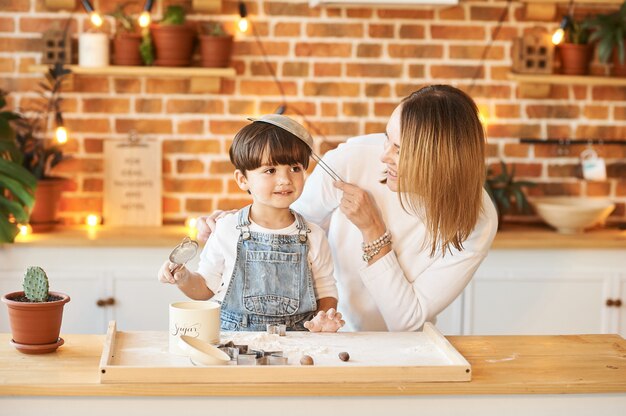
329 321
166 275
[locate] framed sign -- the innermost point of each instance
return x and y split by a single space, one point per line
132 183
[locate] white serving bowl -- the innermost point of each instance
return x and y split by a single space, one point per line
201 352
571 215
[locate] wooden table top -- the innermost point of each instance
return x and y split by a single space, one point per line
513 236
572 364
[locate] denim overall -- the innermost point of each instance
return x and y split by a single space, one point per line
271 281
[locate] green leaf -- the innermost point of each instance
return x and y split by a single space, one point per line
21 193
17 172
7 206
8 230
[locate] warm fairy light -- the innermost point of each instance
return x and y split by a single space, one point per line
92 220
558 36
190 224
61 135
144 19
243 24
96 19
25 229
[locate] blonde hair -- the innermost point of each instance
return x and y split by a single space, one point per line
442 163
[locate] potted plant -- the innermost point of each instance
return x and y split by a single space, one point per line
215 45
507 193
173 38
17 185
576 52
35 314
609 32
39 155
127 39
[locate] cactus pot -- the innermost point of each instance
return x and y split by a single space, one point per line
35 325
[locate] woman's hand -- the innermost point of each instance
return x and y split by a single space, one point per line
361 209
206 224
166 275
329 321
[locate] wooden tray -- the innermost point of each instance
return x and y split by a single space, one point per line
426 356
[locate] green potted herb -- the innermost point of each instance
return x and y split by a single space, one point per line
127 39
576 52
215 45
35 314
609 32
173 38
506 192
17 185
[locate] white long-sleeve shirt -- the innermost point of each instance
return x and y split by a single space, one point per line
406 287
218 256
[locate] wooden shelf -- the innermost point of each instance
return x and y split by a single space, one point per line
136 71
578 2
567 79
202 80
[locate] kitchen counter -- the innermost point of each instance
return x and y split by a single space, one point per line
500 365
539 375
513 236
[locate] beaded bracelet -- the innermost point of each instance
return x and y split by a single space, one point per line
368 255
376 243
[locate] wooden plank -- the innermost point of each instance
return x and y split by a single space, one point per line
109 346
556 79
375 357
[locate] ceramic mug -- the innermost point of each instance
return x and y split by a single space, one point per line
196 319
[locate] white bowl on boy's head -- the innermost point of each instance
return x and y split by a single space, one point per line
201 352
572 215
196 319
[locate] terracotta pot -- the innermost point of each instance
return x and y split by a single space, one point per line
126 49
35 325
43 217
619 69
173 44
215 51
575 59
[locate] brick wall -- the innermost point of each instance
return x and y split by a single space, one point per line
345 69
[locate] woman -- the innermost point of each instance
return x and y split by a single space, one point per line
411 223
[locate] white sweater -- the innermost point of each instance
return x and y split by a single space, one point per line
218 256
406 287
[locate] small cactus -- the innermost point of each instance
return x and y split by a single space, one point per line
36 284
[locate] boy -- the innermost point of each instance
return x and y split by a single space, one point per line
265 263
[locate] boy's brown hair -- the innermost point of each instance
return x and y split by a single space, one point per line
261 143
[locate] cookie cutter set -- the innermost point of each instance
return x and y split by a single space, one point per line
242 355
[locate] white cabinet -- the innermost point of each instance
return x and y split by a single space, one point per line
104 283
560 291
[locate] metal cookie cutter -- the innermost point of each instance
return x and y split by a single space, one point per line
277 329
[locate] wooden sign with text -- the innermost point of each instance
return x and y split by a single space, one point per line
132 183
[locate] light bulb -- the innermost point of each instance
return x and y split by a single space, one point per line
144 19
96 19
243 24
92 220
558 36
61 135
25 229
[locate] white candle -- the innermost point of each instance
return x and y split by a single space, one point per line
93 49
